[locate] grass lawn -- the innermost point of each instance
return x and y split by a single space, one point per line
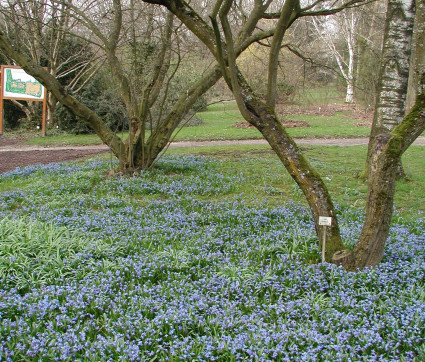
338 166
219 124
219 121
209 257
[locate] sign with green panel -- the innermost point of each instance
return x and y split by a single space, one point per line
17 84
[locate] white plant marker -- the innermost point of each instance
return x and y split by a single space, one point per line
324 221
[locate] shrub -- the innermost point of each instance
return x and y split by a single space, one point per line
102 100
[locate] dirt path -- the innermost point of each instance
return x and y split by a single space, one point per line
13 153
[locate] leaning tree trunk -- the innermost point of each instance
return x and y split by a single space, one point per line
29 114
262 116
51 109
316 193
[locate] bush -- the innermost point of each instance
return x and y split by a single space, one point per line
201 104
191 121
285 90
12 115
102 100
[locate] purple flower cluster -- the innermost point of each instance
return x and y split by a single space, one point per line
184 278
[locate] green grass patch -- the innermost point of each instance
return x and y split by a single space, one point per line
219 124
66 139
339 167
320 95
220 119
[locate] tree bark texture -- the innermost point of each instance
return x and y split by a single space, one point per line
382 179
288 14
309 181
384 161
394 73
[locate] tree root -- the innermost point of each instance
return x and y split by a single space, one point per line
345 258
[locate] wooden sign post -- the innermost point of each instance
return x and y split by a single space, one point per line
324 221
15 83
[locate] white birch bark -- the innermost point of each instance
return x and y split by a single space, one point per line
347 25
391 98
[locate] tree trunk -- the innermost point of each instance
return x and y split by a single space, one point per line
383 176
349 98
287 15
265 120
384 159
382 179
394 74
350 25
51 109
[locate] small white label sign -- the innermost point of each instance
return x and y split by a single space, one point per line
325 221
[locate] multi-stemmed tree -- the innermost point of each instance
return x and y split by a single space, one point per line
388 148
142 58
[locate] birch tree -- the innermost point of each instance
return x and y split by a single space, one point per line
394 71
392 132
330 31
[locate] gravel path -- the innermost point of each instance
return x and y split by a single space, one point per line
13 153
14 146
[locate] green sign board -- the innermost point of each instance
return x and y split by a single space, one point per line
17 84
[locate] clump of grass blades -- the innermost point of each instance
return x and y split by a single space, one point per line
33 253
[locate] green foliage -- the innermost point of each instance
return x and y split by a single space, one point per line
35 253
12 115
200 104
99 96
